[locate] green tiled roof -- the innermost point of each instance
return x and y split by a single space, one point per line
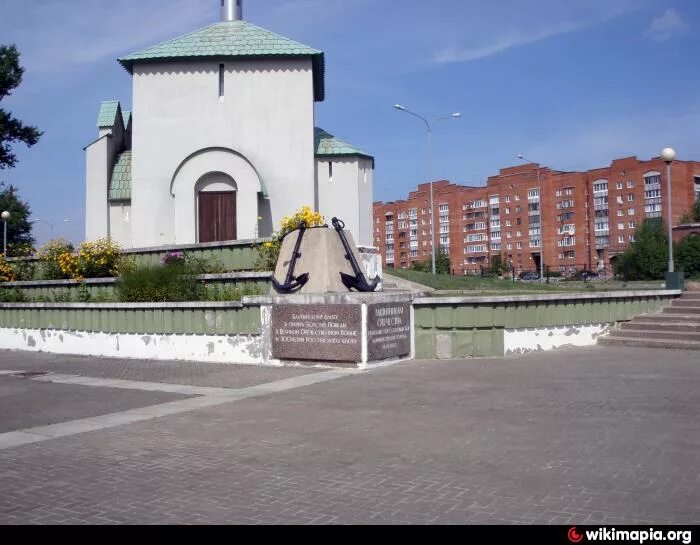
108 114
327 144
120 183
126 116
231 39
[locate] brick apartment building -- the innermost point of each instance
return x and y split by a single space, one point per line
581 219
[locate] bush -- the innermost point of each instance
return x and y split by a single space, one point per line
49 255
203 265
688 255
7 273
647 257
98 259
159 284
268 252
11 295
231 293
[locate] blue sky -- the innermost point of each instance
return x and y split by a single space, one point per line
571 84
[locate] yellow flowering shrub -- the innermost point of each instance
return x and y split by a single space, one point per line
49 254
7 273
98 259
268 252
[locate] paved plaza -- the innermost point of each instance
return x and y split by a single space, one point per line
581 436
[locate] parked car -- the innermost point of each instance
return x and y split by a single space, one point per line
529 275
585 275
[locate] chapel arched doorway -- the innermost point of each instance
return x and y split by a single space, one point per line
216 199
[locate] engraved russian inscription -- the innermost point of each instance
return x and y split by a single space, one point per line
317 333
388 331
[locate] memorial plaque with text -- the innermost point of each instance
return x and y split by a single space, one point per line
317 333
388 331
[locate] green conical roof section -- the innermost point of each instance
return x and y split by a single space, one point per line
120 182
329 145
231 40
108 114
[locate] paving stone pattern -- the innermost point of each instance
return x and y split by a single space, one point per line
27 403
580 436
193 374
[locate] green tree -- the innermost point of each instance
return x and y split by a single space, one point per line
19 230
693 215
687 255
12 130
442 262
647 257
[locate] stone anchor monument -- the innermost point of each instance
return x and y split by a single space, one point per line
321 260
326 308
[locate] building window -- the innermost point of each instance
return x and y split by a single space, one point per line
444 208
630 197
632 225
619 185
621 226
620 213
222 73
630 212
507 210
697 187
631 238
621 239
630 184
517 197
519 245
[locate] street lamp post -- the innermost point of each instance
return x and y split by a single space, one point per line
51 225
668 155
5 216
541 203
429 126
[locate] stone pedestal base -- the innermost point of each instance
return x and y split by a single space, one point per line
353 329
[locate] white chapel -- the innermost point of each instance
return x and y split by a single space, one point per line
221 143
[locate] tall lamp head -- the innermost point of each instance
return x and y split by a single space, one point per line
668 154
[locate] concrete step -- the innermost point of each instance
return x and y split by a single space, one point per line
682 310
668 318
660 326
683 302
649 342
691 295
665 334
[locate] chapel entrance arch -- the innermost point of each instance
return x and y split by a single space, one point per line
216 208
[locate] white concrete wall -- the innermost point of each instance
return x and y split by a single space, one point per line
348 195
120 223
522 341
99 158
234 349
266 116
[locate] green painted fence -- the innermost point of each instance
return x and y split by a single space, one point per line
149 318
476 325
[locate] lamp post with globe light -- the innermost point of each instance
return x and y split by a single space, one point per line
674 280
5 218
429 125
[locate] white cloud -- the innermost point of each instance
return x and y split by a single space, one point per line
666 26
502 43
55 36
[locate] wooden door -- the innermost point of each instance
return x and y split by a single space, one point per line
217 216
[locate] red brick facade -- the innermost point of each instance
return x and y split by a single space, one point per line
588 218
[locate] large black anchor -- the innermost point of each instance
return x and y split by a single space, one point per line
358 282
293 283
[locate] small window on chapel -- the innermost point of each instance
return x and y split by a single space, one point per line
330 171
221 82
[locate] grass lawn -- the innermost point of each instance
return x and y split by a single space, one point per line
495 286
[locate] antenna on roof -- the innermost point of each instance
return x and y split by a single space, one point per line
231 10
